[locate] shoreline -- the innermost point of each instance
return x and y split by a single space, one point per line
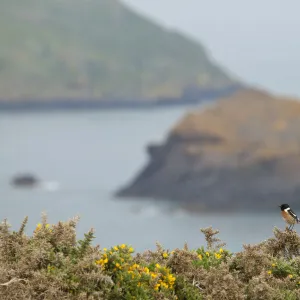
63 104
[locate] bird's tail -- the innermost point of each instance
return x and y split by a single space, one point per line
298 220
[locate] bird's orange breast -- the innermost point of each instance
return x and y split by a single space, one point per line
288 218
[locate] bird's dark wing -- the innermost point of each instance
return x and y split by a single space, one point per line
293 215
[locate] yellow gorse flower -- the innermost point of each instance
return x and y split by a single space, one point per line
134 267
164 285
207 253
218 256
171 278
221 250
118 266
290 276
160 279
38 227
269 272
200 256
102 261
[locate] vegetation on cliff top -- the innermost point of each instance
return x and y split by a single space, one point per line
249 121
97 48
52 264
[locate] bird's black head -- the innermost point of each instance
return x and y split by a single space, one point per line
284 206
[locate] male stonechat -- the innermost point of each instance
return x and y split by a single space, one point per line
289 216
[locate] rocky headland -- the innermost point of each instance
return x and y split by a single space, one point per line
241 153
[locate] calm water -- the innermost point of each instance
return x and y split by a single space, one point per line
90 155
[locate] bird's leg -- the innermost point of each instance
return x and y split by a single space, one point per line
290 227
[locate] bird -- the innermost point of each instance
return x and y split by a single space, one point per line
289 216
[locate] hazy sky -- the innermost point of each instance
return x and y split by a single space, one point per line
258 40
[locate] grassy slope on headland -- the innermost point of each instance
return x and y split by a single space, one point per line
96 50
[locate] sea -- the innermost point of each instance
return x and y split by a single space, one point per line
83 157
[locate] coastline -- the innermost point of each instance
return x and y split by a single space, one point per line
58 104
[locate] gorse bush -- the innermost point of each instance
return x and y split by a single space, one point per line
53 264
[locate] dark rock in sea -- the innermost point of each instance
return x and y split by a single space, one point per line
24 180
241 154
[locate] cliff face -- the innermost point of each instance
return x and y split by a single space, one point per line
243 151
97 49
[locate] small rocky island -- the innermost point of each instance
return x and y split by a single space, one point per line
25 180
243 153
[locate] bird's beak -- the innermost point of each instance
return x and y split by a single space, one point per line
279 205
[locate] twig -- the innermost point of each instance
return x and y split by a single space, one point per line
196 284
12 281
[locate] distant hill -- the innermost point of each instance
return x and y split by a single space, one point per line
242 153
75 49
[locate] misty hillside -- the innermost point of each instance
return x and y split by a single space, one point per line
95 49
